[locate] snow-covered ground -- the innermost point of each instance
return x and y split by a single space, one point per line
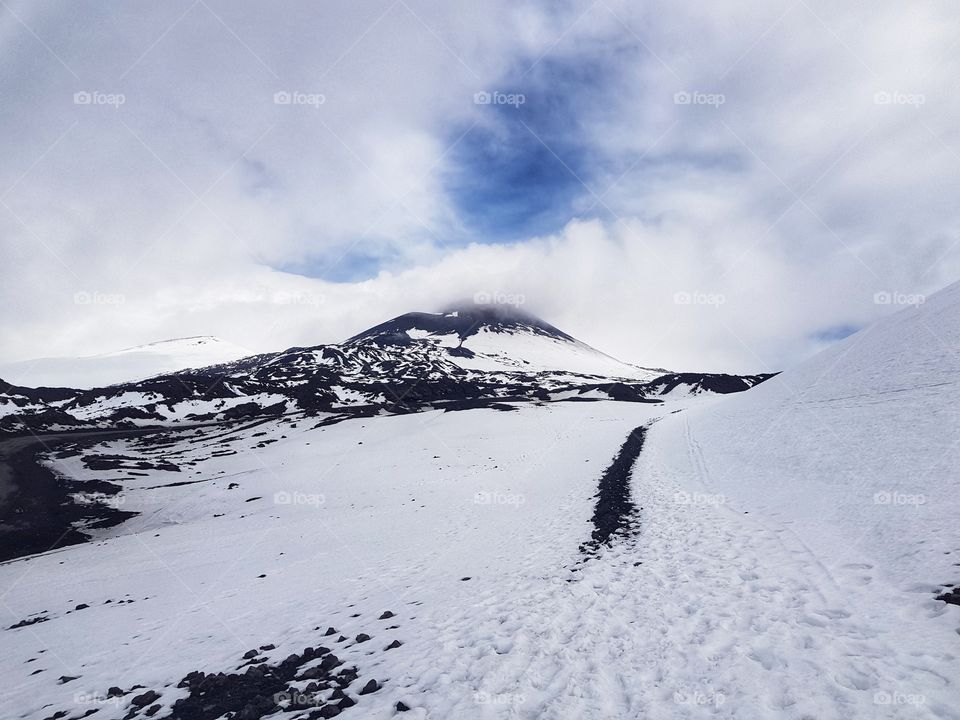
131 364
791 543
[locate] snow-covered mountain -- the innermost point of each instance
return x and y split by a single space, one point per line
501 338
129 365
785 552
471 355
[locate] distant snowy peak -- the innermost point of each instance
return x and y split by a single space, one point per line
121 366
499 338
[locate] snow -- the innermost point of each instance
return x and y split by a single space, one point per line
791 541
131 364
532 352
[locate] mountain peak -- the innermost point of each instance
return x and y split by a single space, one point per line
463 320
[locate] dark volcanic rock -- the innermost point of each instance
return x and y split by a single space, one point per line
615 510
371 687
145 699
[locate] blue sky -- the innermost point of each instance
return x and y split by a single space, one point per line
788 164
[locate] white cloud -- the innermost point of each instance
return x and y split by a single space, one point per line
795 200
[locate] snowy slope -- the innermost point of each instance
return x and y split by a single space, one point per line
136 363
419 515
856 448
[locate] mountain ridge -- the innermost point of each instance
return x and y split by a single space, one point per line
411 362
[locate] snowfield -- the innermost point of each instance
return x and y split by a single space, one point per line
136 363
789 545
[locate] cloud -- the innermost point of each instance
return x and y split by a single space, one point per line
775 164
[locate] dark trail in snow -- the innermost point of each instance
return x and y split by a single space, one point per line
615 511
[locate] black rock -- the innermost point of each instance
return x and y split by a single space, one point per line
267 647
394 644
362 637
371 687
330 631
81 606
249 654
145 699
64 679
114 692
329 711
346 702
386 616
152 710
329 662
402 707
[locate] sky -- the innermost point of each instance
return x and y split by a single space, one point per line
696 186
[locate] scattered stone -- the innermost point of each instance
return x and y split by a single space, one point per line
81 606
145 699
362 638
249 654
30 621
402 707
463 579
64 679
371 687
341 638
268 647
393 645
152 710
114 692
951 596
346 702
330 631
386 616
